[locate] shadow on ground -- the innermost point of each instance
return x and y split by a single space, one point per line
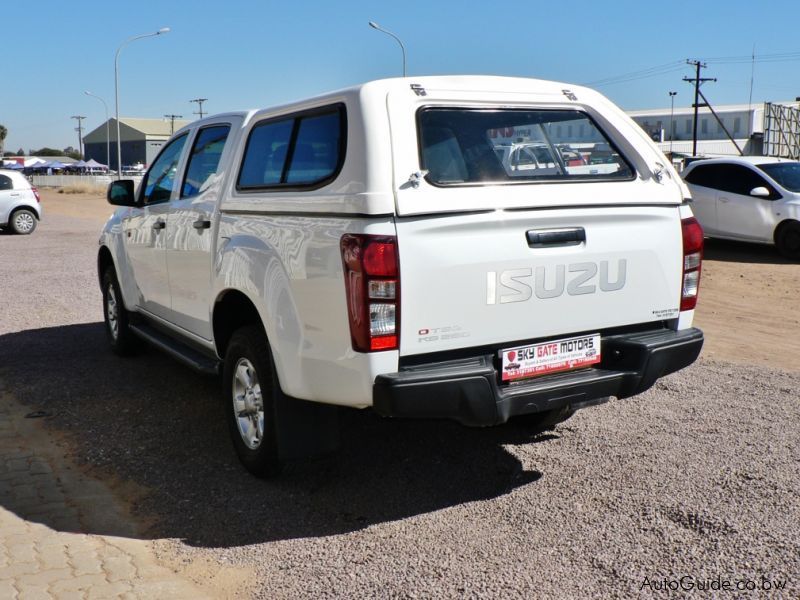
151 421
743 252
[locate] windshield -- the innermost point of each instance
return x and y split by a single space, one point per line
787 174
467 146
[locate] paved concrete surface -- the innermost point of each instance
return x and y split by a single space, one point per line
45 505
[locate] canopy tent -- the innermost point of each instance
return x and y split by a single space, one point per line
93 164
13 166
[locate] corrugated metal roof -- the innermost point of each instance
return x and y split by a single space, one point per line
153 126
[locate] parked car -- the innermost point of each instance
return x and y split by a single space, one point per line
20 206
369 248
748 198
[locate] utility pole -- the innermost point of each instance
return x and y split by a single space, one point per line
172 122
671 114
79 129
199 105
697 81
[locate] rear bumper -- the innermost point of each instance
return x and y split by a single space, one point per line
468 390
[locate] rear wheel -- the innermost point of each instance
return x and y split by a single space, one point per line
250 391
23 222
787 239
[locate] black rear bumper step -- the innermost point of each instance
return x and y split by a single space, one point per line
468 390
179 351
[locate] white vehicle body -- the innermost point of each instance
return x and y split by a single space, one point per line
19 202
482 268
742 198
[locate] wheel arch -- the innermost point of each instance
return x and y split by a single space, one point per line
233 309
104 260
29 207
783 224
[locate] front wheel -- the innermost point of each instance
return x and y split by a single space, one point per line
788 240
122 340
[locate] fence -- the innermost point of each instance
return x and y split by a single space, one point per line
100 181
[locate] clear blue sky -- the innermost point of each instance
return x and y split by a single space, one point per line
244 54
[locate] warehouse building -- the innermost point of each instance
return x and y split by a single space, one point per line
758 129
141 140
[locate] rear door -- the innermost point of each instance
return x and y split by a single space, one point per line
9 197
738 213
703 182
489 257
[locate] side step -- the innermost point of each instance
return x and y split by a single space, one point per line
177 350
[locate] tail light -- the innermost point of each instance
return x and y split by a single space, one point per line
692 262
36 193
372 284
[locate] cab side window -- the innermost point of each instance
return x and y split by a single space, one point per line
204 159
304 150
160 179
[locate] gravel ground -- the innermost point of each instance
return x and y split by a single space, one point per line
698 477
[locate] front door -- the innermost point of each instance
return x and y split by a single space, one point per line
191 231
740 214
145 231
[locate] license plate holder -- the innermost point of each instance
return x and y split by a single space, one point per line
544 358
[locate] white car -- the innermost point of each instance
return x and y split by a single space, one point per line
748 198
20 207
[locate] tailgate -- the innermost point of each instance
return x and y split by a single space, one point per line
482 279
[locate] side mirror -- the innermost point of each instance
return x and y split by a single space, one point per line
760 192
121 193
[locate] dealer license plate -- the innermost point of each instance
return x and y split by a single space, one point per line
550 357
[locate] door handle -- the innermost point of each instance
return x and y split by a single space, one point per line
555 237
724 200
159 225
201 224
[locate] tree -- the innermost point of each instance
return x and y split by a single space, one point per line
3 134
20 152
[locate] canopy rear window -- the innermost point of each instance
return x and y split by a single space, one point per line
474 146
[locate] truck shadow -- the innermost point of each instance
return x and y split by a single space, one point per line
743 252
150 421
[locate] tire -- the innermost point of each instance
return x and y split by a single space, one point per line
787 239
250 394
117 320
23 222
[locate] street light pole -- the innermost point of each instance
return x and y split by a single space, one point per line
377 27
108 127
116 88
671 113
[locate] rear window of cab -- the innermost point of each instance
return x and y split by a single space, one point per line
461 146
302 150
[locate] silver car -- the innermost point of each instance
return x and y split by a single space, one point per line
748 198
20 206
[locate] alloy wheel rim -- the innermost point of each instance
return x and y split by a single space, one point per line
24 222
248 404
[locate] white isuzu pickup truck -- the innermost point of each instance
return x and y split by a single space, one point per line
372 247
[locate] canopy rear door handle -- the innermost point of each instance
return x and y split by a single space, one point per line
201 224
543 238
160 224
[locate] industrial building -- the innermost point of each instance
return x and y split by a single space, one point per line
141 140
758 129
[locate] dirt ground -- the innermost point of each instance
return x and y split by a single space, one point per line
748 293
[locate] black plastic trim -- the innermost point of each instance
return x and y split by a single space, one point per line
469 390
176 349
